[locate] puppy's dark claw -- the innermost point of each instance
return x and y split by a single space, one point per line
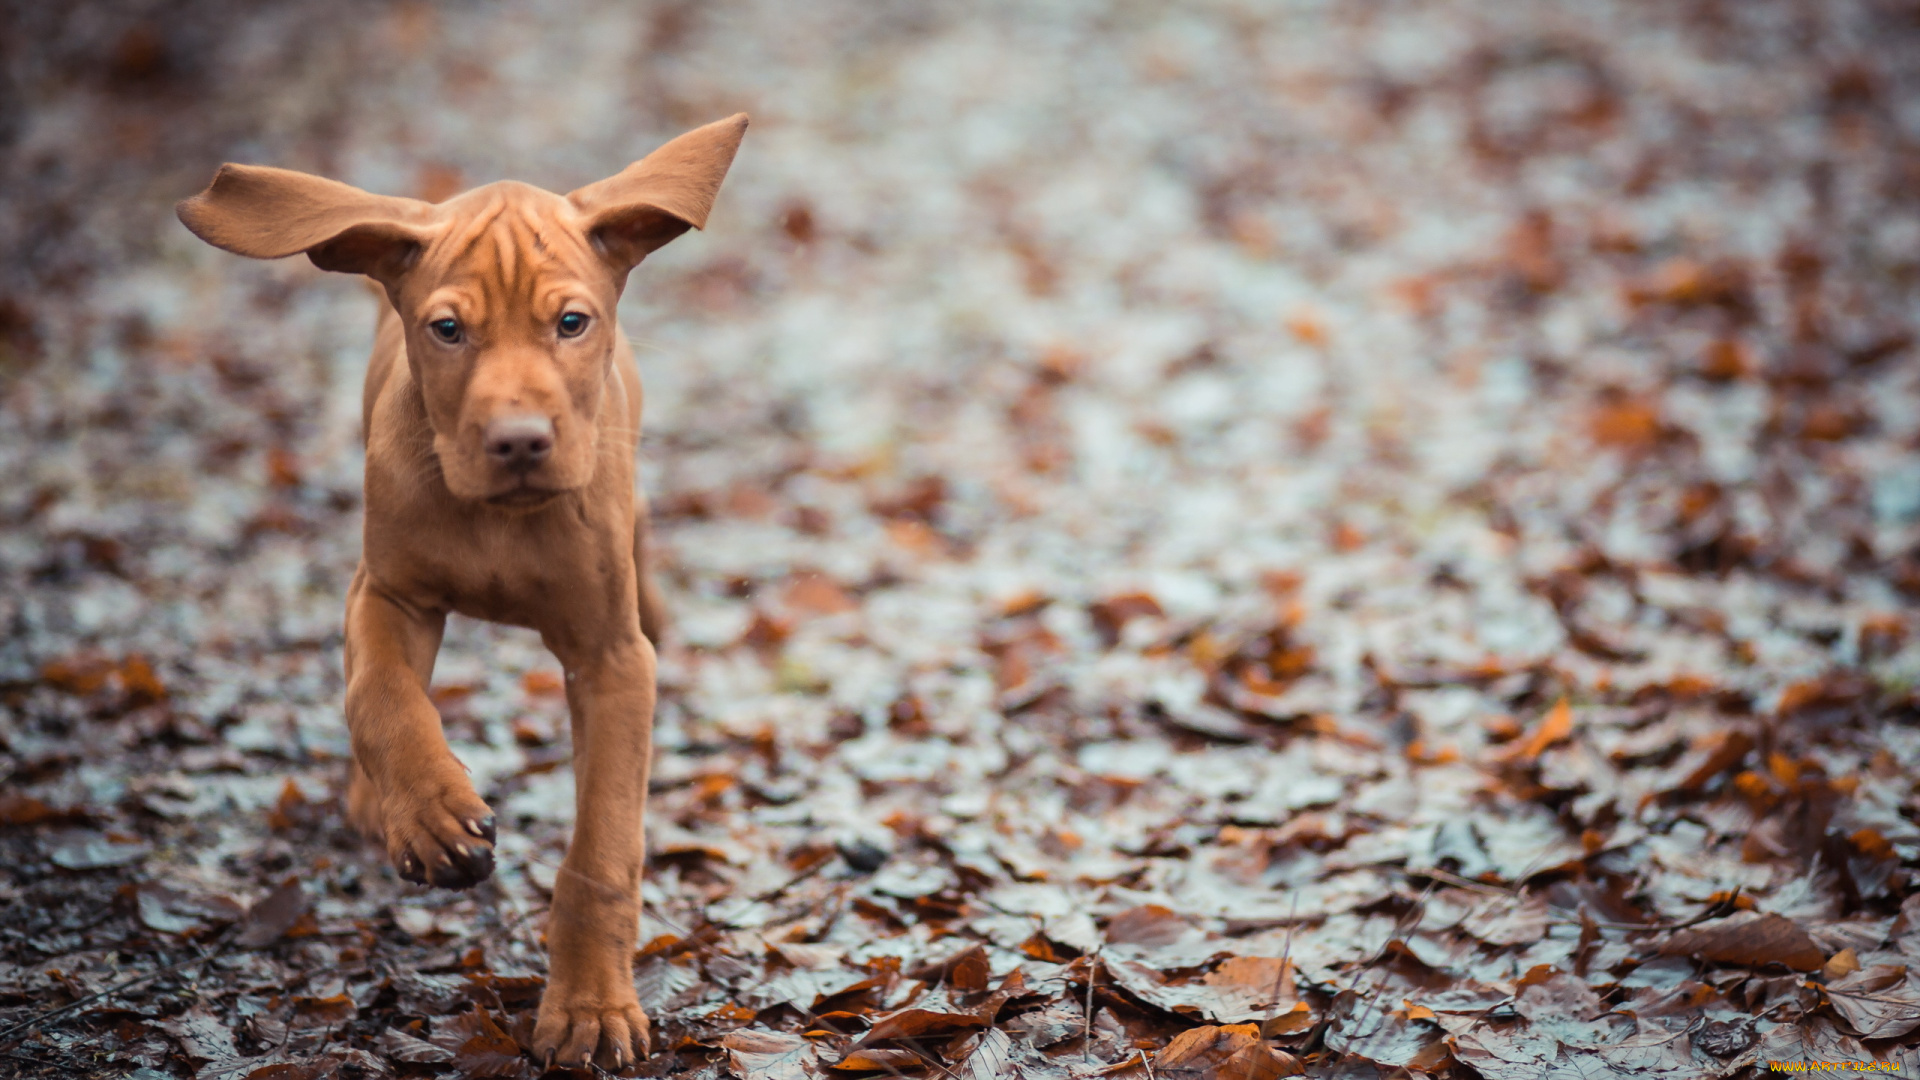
464 867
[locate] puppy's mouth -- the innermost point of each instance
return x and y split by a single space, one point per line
524 496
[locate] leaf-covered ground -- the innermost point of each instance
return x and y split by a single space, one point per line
1216 539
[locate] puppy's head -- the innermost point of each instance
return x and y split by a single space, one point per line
506 293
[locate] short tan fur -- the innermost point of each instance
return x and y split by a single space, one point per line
502 412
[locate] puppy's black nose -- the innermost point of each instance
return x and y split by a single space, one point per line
519 442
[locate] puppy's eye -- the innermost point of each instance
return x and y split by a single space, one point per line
447 330
572 324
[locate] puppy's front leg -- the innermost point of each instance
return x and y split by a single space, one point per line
590 1011
408 790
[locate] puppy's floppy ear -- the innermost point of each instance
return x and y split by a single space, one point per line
267 213
639 209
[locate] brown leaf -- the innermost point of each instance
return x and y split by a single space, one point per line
291 809
817 594
1841 964
1880 1002
171 911
807 957
1248 988
1555 726
770 1054
1626 425
970 971
202 1036
1373 1029
1296 1019
487 1050
1727 359
401 1046
919 500
18 809
1307 325
1513 1052
1812 1038
1714 754
868 1059
80 675
336 1009
1210 1052
1148 924
1686 283
138 680
293 1070
989 1058
913 1023
766 634
1530 252
509 989
97 851
1748 938
917 537
965 970
1260 1062
274 915
1110 616
1509 922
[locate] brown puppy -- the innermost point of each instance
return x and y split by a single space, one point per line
502 416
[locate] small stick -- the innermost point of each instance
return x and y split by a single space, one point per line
1086 1032
1286 954
1405 926
110 991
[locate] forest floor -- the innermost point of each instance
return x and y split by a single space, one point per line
1206 540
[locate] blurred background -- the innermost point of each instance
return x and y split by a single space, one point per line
1175 453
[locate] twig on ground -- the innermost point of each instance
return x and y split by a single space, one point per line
1401 929
1286 955
1086 1032
199 957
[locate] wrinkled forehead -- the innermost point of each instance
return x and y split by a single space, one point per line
511 241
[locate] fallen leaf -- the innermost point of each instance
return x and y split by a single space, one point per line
966 970
1748 938
1626 425
1111 616
870 1059
1148 924
1554 727
98 851
404 1047
1881 1002
988 1058
272 916
1232 1052
171 911
330 1010
771 1055
818 594
202 1036
1515 921
19 809
482 1047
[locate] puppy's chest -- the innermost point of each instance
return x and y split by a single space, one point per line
520 576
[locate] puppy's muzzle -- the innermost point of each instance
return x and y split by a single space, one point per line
519 443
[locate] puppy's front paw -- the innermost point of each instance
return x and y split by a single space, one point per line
439 836
575 1029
